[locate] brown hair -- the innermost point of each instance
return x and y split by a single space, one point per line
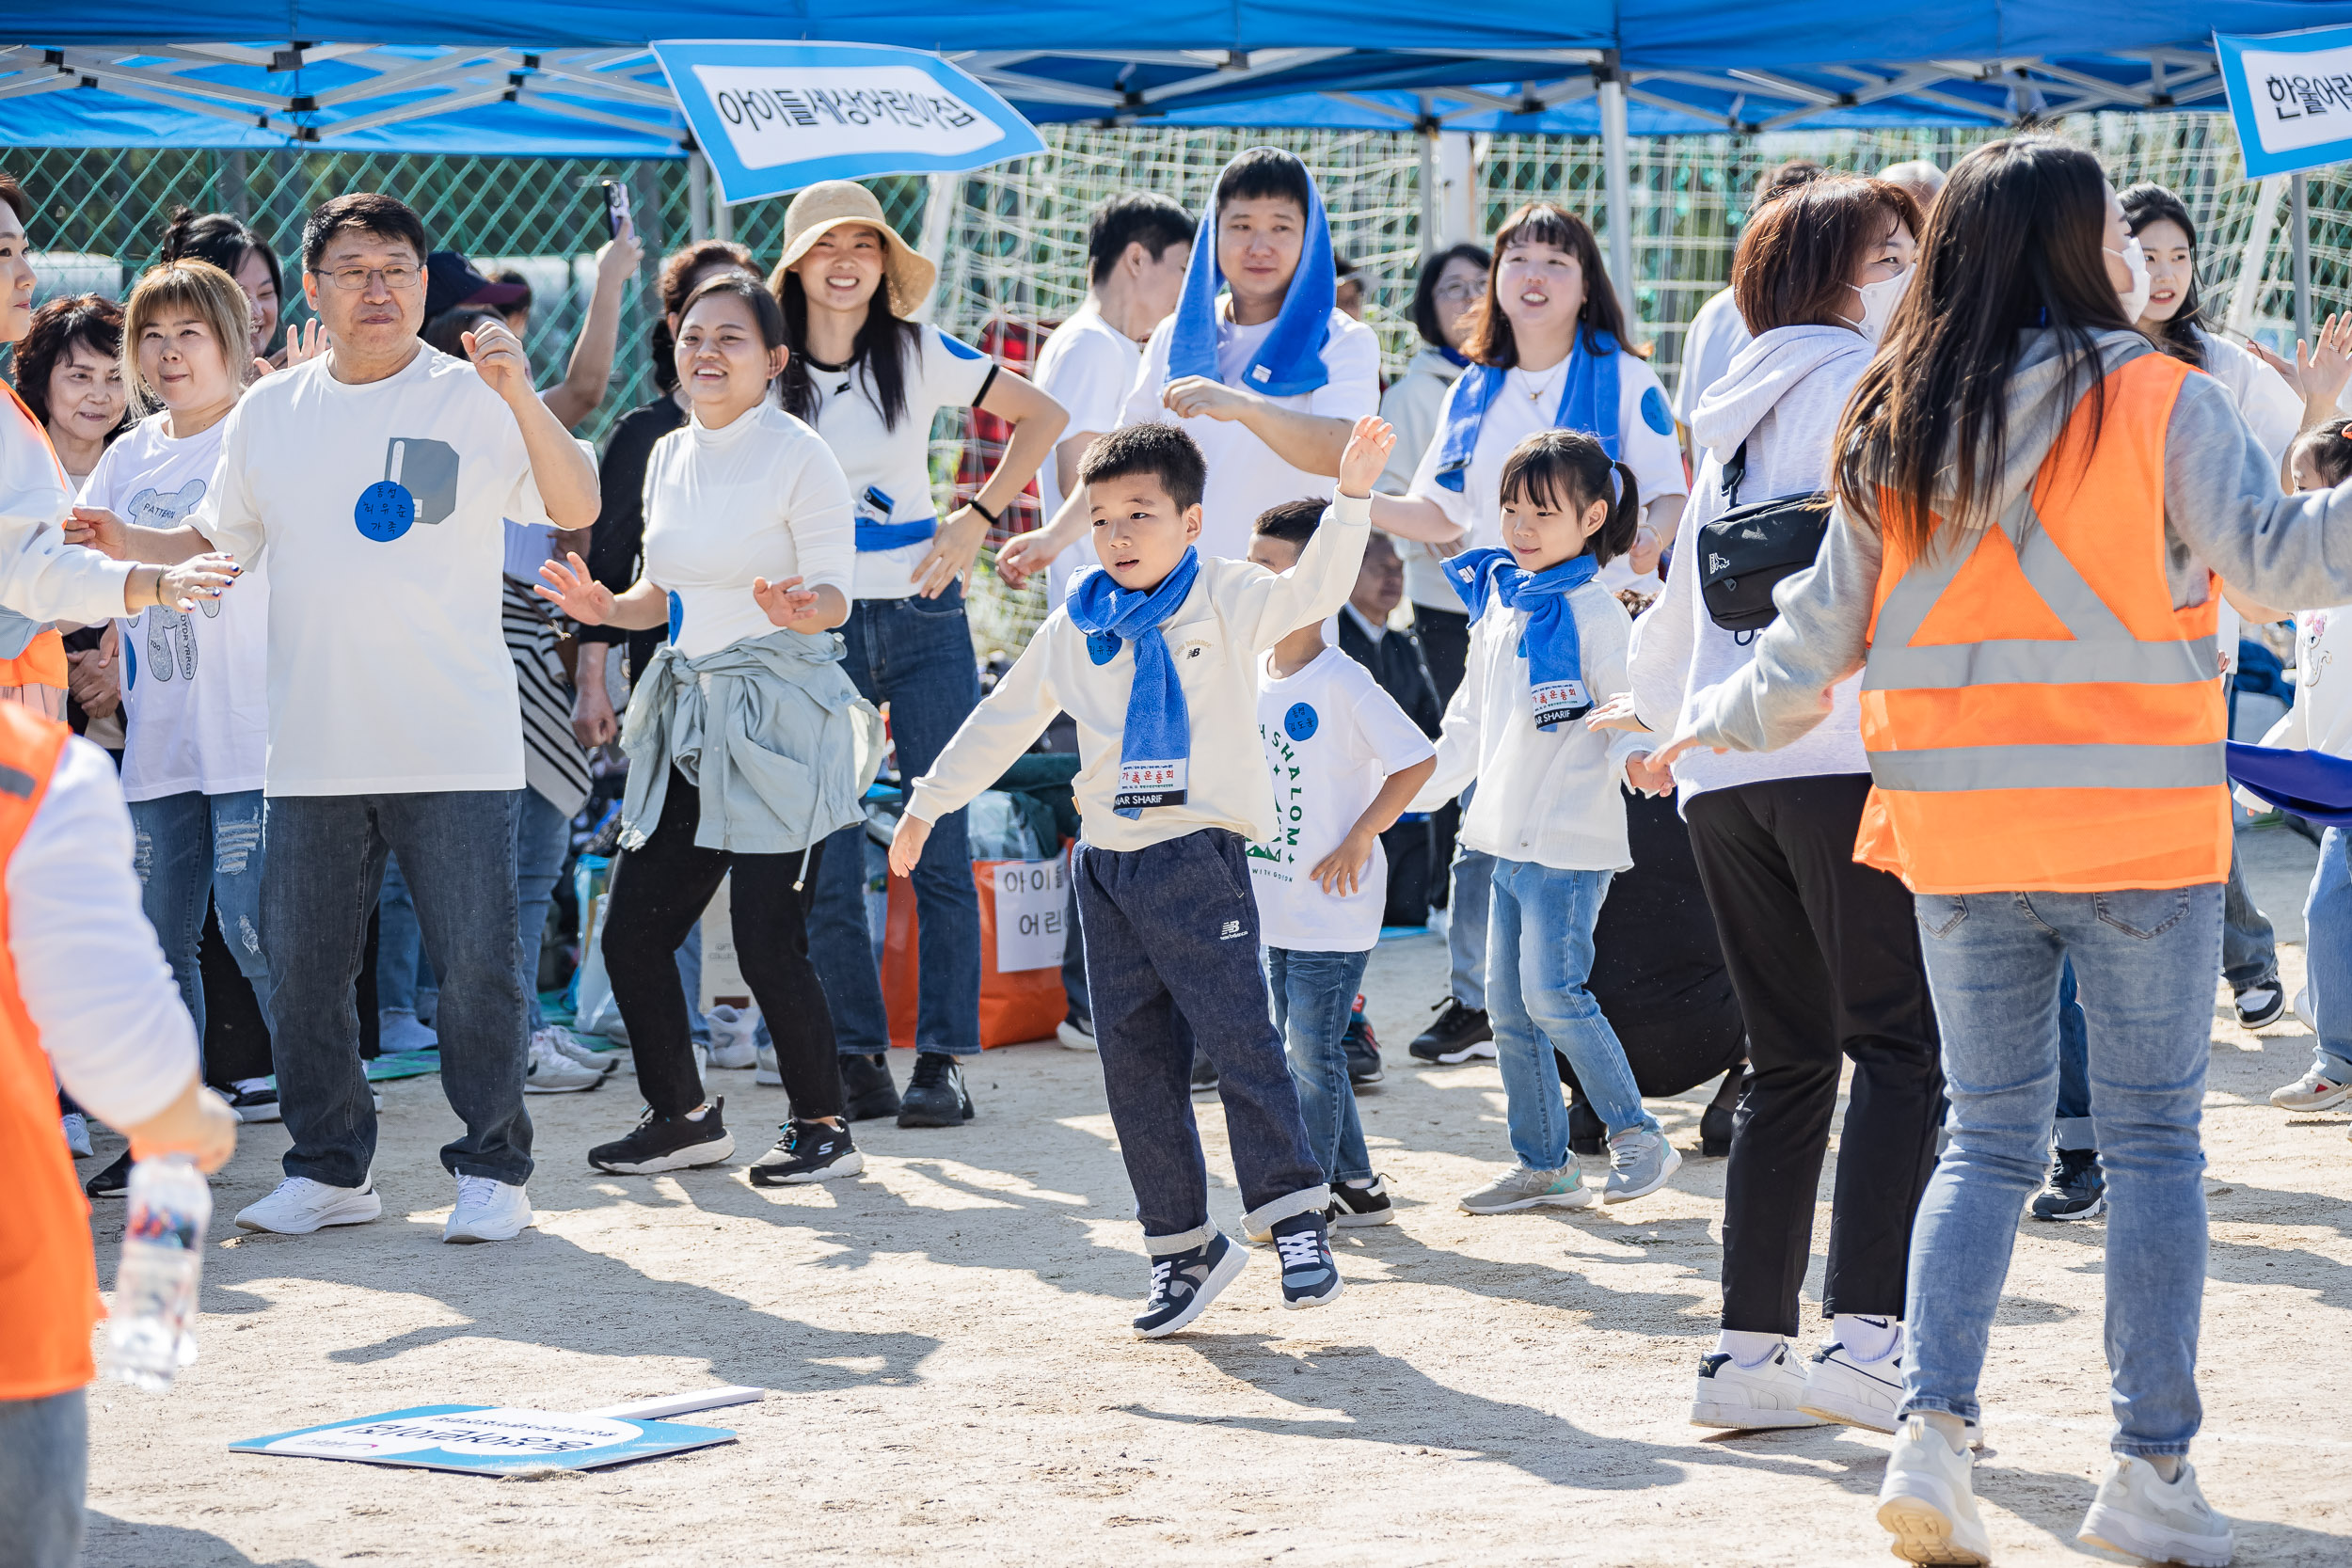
1566 471
676 282
1541 223
1796 262
91 319
201 289
13 194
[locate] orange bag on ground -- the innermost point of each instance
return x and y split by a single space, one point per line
1016 1004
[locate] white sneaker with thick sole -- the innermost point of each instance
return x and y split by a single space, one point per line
1074 1037
1749 1398
547 1070
732 1036
566 1044
1928 1501
1838 1387
487 1210
2140 1514
300 1206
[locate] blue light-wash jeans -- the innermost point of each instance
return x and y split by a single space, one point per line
2144 961
45 1474
1539 955
1314 995
189 847
543 834
1473 876
1171 935
317 886
915 655
405 981
2328 956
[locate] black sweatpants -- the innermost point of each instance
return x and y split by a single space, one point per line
658 893
1824 955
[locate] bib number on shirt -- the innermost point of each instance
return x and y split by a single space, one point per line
1151 783
1557 702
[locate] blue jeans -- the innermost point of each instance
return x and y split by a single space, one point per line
2073 1129
1466 930
44 1472
1539 955
915 655
542 835
317 887
405 981
1171 935
2328 956
2145 961
187 848
1313 994
2250 951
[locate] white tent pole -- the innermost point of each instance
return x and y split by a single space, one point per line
2301 211
939 219
697 196
1619 199
2255 254
1458 187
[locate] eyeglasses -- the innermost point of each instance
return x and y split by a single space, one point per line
350 278
1459 292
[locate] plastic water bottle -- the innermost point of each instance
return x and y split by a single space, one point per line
151 1332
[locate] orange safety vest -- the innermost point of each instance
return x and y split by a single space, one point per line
2037 715
43 662
48 1280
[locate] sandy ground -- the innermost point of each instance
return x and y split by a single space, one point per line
952 1376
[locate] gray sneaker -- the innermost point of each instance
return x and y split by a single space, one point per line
1639 1161
1521 1188
2139 1514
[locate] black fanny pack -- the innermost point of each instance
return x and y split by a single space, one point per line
1744 554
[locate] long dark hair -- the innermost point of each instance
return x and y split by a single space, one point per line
222 239
90 319
2150 202
883 344
1425 287
1539 222
2016 241
1566 471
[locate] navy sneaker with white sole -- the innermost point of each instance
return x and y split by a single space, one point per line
1310 1275
1184 1283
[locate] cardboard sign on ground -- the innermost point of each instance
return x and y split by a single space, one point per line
488 1440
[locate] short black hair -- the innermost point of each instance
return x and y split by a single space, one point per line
1568 470
447 331
1135 217
2330 446
1264 171
221 238
14 196
386 217
1341 266
1425 287
523 301
1292 522
1159 449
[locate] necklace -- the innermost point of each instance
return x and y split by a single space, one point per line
1536 394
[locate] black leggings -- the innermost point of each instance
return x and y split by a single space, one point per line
658 891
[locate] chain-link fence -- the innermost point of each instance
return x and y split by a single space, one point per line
1012 243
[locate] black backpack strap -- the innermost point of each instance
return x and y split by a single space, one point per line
1735 470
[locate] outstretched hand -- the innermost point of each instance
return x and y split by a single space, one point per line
574 591
785 603
1368 447
199 577
1023 556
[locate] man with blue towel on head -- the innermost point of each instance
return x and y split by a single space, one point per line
1267 377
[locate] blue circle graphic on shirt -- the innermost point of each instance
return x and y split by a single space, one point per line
1655 412
384 512
1300 723
677 615
1102 647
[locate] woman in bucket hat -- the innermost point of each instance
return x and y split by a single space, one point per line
871 379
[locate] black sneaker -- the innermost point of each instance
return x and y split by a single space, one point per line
866 1089
2261 1003
809 1151
113 1181
1184 1284
1587 1133
1362 1047
1352 1206
1458 1035
2076 1188
1715 1131
935 1095
1203 1074
669 1143
1309 1274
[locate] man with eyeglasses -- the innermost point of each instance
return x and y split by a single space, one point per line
374 479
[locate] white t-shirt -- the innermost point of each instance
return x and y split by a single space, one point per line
879 461
1646 442
1245 475
387 665
762 497
1332 735
195 688
1714 339
1087 366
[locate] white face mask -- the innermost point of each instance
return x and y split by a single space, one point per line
2135 260
1878 300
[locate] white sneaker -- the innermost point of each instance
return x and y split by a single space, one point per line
397 1029
2140 1514
1928 1501
487 1210
732 1043
1768 1394
547 1070
76 1133
300 1206
566 1044
2316 1091
768 1071
1838 1387
1075 1036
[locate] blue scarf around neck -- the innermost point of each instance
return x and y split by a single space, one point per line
1155 749
1588 402
1555 662
1290 361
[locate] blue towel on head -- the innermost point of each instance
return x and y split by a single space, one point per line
1555 660
1290 361
1588 402
1156 749
2312 784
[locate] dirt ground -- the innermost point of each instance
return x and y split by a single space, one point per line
952 1377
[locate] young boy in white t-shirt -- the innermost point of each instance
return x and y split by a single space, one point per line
1345 760
1154 655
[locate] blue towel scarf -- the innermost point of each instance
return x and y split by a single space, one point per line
1588 402
1156 749
1290 361
1555 662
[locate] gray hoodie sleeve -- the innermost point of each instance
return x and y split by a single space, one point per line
2223 507
1822 637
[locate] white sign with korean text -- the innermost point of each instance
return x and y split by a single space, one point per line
1032 916
2290 97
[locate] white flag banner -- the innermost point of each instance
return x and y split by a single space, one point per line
2290 98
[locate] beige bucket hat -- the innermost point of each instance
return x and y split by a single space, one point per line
831 203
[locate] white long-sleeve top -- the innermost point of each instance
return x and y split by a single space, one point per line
91 976
1235 612
41 574
1546 797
